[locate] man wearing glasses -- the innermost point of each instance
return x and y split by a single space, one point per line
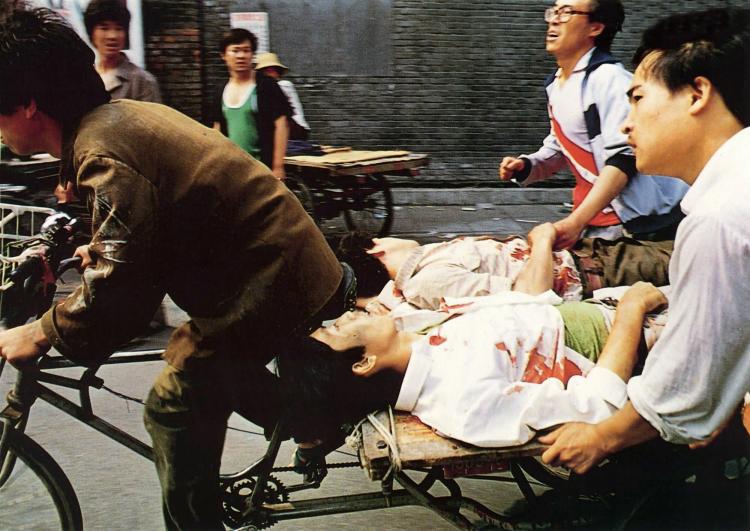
586 106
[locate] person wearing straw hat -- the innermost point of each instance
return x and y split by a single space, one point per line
270 65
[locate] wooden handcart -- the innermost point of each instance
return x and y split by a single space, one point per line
353 183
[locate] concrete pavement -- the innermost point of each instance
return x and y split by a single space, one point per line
430 214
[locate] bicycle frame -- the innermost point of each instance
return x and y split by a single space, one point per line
30 386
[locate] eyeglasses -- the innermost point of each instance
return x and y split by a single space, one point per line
562 14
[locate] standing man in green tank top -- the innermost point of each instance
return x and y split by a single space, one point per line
251 108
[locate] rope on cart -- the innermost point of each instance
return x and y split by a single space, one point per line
389 436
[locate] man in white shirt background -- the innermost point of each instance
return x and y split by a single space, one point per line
689 118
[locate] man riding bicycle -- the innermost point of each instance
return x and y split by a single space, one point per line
177 209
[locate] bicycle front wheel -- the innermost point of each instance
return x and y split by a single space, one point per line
37 494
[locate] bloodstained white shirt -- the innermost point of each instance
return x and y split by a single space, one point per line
495 374
699 370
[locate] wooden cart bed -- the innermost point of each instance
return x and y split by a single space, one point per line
420 447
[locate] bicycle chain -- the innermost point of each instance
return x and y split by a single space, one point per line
330 466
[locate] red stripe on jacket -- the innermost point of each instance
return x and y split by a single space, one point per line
582 188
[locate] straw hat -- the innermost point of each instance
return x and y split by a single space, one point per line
269 59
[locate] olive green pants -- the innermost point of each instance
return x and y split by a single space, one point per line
621 262
186 415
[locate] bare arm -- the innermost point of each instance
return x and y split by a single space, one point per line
22 345
620 354
280 138
610 183
536 275
581 446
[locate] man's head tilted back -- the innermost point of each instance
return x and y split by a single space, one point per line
43 60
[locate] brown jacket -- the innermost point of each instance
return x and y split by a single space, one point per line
177 208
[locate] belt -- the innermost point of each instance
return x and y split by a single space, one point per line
342 301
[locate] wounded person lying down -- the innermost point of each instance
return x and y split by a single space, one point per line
494 374
470 266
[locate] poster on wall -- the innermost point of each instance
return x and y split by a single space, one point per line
254 22
73 11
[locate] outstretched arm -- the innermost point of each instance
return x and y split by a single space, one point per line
581 446
620 353
536 275
610 183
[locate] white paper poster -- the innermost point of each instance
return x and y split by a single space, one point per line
256 23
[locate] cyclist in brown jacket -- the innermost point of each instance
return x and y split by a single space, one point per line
177 208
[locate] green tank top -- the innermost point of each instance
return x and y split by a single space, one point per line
585 328
241 126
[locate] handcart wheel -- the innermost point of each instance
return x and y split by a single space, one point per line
369 205
552 476
303 194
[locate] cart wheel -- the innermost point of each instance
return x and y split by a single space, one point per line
369 205
303 194
552 476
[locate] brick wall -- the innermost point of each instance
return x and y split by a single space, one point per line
466 82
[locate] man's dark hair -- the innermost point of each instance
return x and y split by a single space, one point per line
237 36
321 391
611 13
714 43
99 11
370 272
43 59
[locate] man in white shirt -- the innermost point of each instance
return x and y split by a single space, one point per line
586 107
689 118
499 369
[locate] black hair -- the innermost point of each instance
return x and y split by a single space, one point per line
43 59
322 393
237 36
713 43
611 13
99 11
370 272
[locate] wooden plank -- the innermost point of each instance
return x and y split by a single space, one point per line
419 446
345 157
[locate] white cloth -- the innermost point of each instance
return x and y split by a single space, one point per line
699 370
467 266
409 318
476 377
291 94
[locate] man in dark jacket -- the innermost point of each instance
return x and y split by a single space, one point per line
251 108
177 209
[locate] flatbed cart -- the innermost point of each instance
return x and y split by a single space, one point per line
615 495
353 183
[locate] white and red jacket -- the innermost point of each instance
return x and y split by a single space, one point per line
604 105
